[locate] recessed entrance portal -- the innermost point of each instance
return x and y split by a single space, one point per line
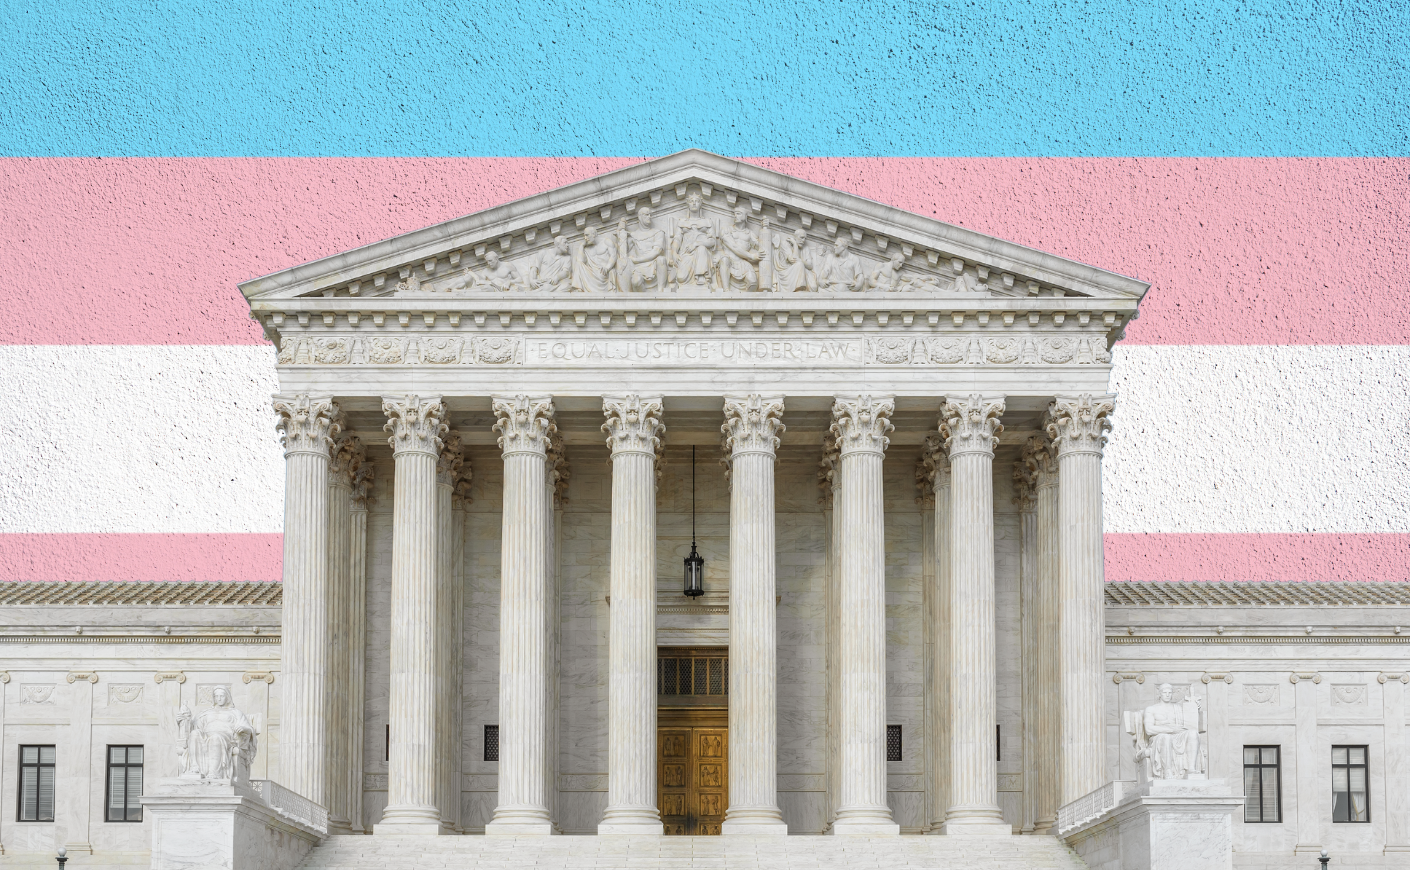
692 739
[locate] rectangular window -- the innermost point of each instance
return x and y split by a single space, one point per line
492 743
124 783
1263 785
893 742
1349 792
36 784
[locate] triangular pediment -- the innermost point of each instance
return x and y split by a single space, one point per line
693 223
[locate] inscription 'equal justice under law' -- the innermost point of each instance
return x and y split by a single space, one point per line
548 352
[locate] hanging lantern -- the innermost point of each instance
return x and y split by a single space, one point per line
694 565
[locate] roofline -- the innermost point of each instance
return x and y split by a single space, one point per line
387 253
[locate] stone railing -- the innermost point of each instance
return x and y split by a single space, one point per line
292 805
1093 804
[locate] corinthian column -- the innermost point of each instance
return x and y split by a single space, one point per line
307 428
346 451
935 463
971 428
1047 673
1078 427
525 426
1025 497
357 632
752 428
416 429
633 430
447 646
860 425
829 485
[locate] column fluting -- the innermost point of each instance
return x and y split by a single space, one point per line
340 466
830 486
416 428
1078 426
937 466
751 432
307 428
633 431
524 425
1048 673
971 427
860 425
362 477
448 692
1026 499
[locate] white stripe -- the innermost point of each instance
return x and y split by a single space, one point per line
1259 439
139 439
1248 439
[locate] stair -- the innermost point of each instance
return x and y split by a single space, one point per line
688 853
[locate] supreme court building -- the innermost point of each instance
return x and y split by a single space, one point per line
507 438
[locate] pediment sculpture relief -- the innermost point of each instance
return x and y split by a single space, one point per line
1167 736
699 247
216 744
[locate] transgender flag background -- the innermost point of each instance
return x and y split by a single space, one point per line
1252 161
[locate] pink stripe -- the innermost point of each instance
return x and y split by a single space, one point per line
1240 251
1258 558
141 557
1230 558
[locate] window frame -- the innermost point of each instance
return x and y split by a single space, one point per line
108 782
1365 767
898 733
38 767
1277 767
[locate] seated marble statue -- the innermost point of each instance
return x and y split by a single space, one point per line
218 743
1166 735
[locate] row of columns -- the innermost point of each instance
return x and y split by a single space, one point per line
325 575
1058 486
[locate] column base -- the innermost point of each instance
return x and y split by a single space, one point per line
754 827
407 829
865 823
519 829
977 829
631 829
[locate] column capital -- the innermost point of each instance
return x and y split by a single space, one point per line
1079 424
753 424
861 423
345 455
934 465
1039 456
558 470
828 480
633 424
523 423
970 424
307 424
1025 485
451 458
363 474
415 423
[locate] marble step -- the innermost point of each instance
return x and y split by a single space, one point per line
689 853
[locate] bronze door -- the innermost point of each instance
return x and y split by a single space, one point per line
692 775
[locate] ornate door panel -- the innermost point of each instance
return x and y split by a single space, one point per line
673 779
711 778
692 775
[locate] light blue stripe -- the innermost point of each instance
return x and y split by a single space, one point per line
339 78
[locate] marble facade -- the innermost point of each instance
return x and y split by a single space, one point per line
488 428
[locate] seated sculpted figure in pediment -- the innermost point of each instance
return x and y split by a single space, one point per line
793 263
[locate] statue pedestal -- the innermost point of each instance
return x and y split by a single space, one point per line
209 824
1171 824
